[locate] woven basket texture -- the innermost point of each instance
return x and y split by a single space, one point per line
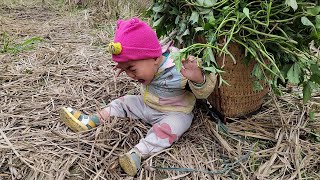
240 98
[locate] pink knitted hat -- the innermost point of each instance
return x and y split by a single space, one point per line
134 40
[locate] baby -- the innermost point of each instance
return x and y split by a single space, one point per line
164 102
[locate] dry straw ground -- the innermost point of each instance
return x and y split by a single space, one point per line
71 68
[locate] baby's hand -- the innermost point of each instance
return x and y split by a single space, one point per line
191 70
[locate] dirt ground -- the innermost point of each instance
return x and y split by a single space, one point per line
71 67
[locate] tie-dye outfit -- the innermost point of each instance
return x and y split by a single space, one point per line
165 104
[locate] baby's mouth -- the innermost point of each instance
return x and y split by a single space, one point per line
141 81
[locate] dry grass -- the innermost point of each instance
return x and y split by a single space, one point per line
106 10
72 68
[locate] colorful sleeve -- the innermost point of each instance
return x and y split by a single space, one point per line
184 81
202 92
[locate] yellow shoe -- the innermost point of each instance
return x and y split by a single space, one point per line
130 162
77 121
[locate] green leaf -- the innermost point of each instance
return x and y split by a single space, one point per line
305 21
210 69
31 41
211 56
315 69
292 3
314 11
246 12
200 2
174 11
275 88
222 81
177 59
210 17
311 116
158 22
284 70
208 26
294 74
194 17
183 27
210 2
318 22
257 72
204 10
306 92
158 8
226 8
208 58
176 21
13 48
257 86
315 78
186 32
315 34
198 29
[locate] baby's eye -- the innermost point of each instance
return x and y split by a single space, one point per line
132 69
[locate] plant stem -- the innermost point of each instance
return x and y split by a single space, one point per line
264 34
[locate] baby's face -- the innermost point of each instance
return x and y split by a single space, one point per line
141 70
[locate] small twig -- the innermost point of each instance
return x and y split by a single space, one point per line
18 155
177 177
274 98
228 166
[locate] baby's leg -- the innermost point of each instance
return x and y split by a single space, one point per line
165 132
167 128
126 106
131 106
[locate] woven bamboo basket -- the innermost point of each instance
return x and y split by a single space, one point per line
238 99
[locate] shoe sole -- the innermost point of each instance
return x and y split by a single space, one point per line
128 165
71 121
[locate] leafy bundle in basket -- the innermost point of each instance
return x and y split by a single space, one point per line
282 36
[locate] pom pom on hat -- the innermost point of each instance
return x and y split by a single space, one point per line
134 40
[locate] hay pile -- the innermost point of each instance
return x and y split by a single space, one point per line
71 68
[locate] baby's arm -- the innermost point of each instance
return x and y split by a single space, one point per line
201 84
202 91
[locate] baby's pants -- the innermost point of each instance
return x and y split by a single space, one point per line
167 127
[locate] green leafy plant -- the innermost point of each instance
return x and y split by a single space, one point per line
276 34
13 48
